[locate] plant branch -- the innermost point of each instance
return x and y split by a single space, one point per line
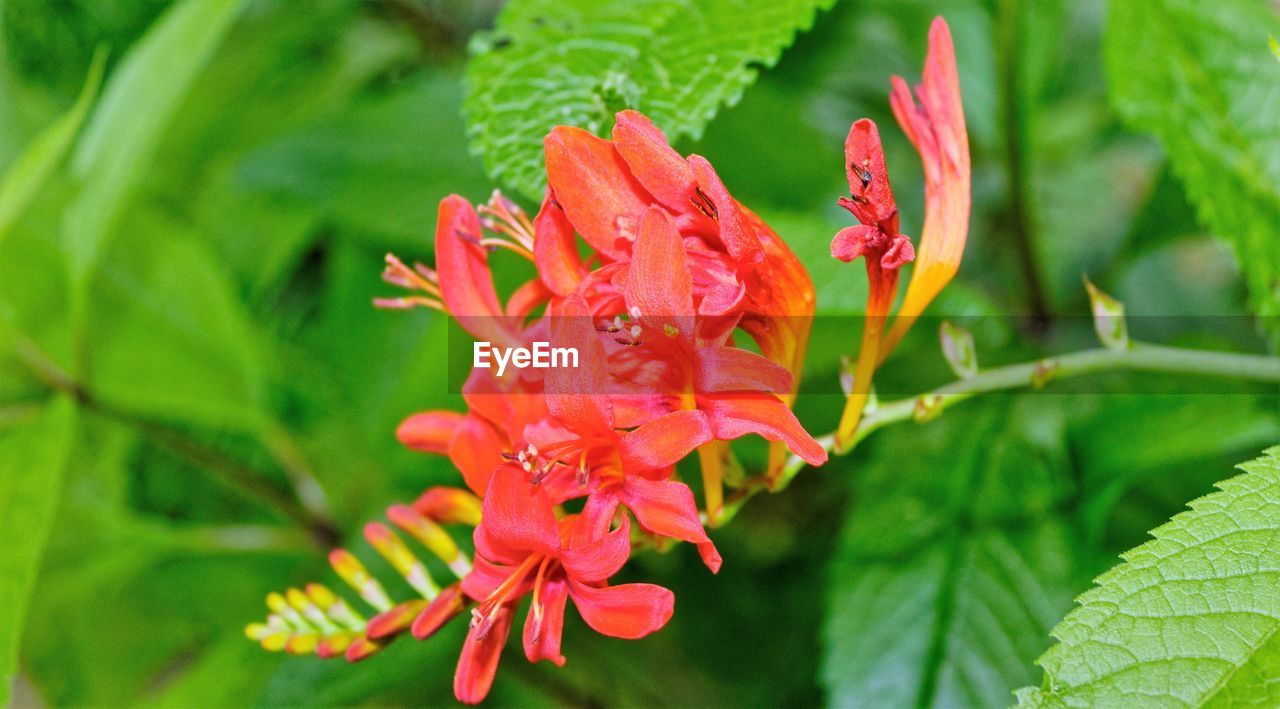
1138 357
227 469
1018 220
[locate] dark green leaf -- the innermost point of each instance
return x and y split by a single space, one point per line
955 556
1197 75
135 109
577 62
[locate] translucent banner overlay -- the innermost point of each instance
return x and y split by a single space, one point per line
1164 355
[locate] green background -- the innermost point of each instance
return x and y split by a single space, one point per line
197 397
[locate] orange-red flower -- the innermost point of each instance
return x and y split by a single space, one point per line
523 549
675 268
936 127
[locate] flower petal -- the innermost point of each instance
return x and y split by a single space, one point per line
853 241
722 369
872 197
710 556
659 284
441 610
476 450
517 516
665 508
664 440
485 575
429 431
735 233
653 161
526 299
631 611
579 396
479 660
466 284
594 186
544 625
598 559
555 250
936 127
736 415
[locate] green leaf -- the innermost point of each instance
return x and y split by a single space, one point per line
140 99
24 179
169 336
954 557
32 458
1190 618
1195 74
577 62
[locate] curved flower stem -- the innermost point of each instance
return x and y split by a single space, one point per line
1138 357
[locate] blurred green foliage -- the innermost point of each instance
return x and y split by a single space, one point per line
192 266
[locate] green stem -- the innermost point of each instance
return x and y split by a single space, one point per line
1019 220
302 507
1138 357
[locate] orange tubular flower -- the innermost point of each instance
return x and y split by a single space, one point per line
878 241
936 127
676 267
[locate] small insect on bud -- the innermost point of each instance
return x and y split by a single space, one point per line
1108 318
958 348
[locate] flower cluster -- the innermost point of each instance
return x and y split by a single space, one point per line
935 126
571 467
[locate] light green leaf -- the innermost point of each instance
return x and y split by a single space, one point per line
954 557
168 334
23 180
140 99
1196 76
32 458
1190 618
577 62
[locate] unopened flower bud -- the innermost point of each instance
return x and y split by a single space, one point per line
1108 318
958 348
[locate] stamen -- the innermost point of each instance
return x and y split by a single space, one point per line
504 217
483 615
703 203
582 468
535 607
419 278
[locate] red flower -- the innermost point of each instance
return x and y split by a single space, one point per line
878 241
676 266
936 127
522 549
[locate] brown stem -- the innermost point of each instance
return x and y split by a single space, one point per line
1018 220
227 469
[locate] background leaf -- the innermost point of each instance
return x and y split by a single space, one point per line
31 170
1190 618
1197 75
120 137
577 62
32 460
954 560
